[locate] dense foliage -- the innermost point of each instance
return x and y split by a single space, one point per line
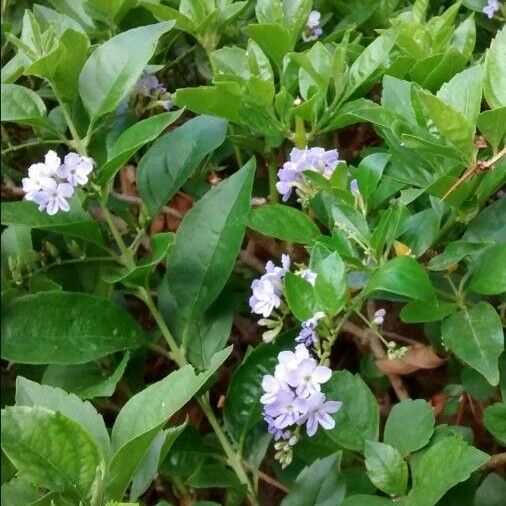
253 252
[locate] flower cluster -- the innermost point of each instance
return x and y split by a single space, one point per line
292 398
308 159
51 183
150 87
267 293
313 29
491 8
307 335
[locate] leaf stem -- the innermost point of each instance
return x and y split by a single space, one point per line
178 356
273 176
32 144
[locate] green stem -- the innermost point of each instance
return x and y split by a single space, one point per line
300 133
372 328
273 177
32 144
178 356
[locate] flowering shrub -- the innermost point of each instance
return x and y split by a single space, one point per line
253 252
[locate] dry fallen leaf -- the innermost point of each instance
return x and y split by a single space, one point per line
417 357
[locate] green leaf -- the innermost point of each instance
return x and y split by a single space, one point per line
102 85
207 243
65 328
299 296
400 429
22 105
132 139
489 276
402 276
455 252
88 380
173 157
29 393
140 419
451 124
492 124
318 484
358 418
369 173
373 58
330 287
416 311
494 84
475 335
51 450
242 402
18 492
494 418
492 491
283 222
76 222
463 93
273 39
386 468
421 231
367 500
489 225
445 464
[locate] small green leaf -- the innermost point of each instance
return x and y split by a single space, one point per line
492 124
402 276
475 335
22 105
102 85
492 491
283 222
494 418
273 39
318 484
18 492
386 468
132 139
369 173
416 311
173 157
489 276
443 466
299 296
36 330
358 418
402 432
494 85
51 451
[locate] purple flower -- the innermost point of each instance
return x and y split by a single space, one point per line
271 386
308 377
491 8
53 196
286 410
313 29
148 84
307 334
318 411
75 169
309 276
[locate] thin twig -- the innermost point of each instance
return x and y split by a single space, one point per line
265 477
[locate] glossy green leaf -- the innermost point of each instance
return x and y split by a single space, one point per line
88 380
29 393
22 105
416 311
492 491
358 418
489 225
207 243
402 276
132 139
494 418
463 93
443 466
283 222
273 39
300 296
36 330
476 336
494 84
454 253
318 484
115 66
173 157
489 276
18 492
51 450
369 173
402 432
141 418
492 124
386 468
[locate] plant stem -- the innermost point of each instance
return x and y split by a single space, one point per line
300 133
32 144
273 176
178 356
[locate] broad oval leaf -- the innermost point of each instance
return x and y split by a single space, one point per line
22 105
66 328
494 85
115 66
476 336
494 418
169 162
489 276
